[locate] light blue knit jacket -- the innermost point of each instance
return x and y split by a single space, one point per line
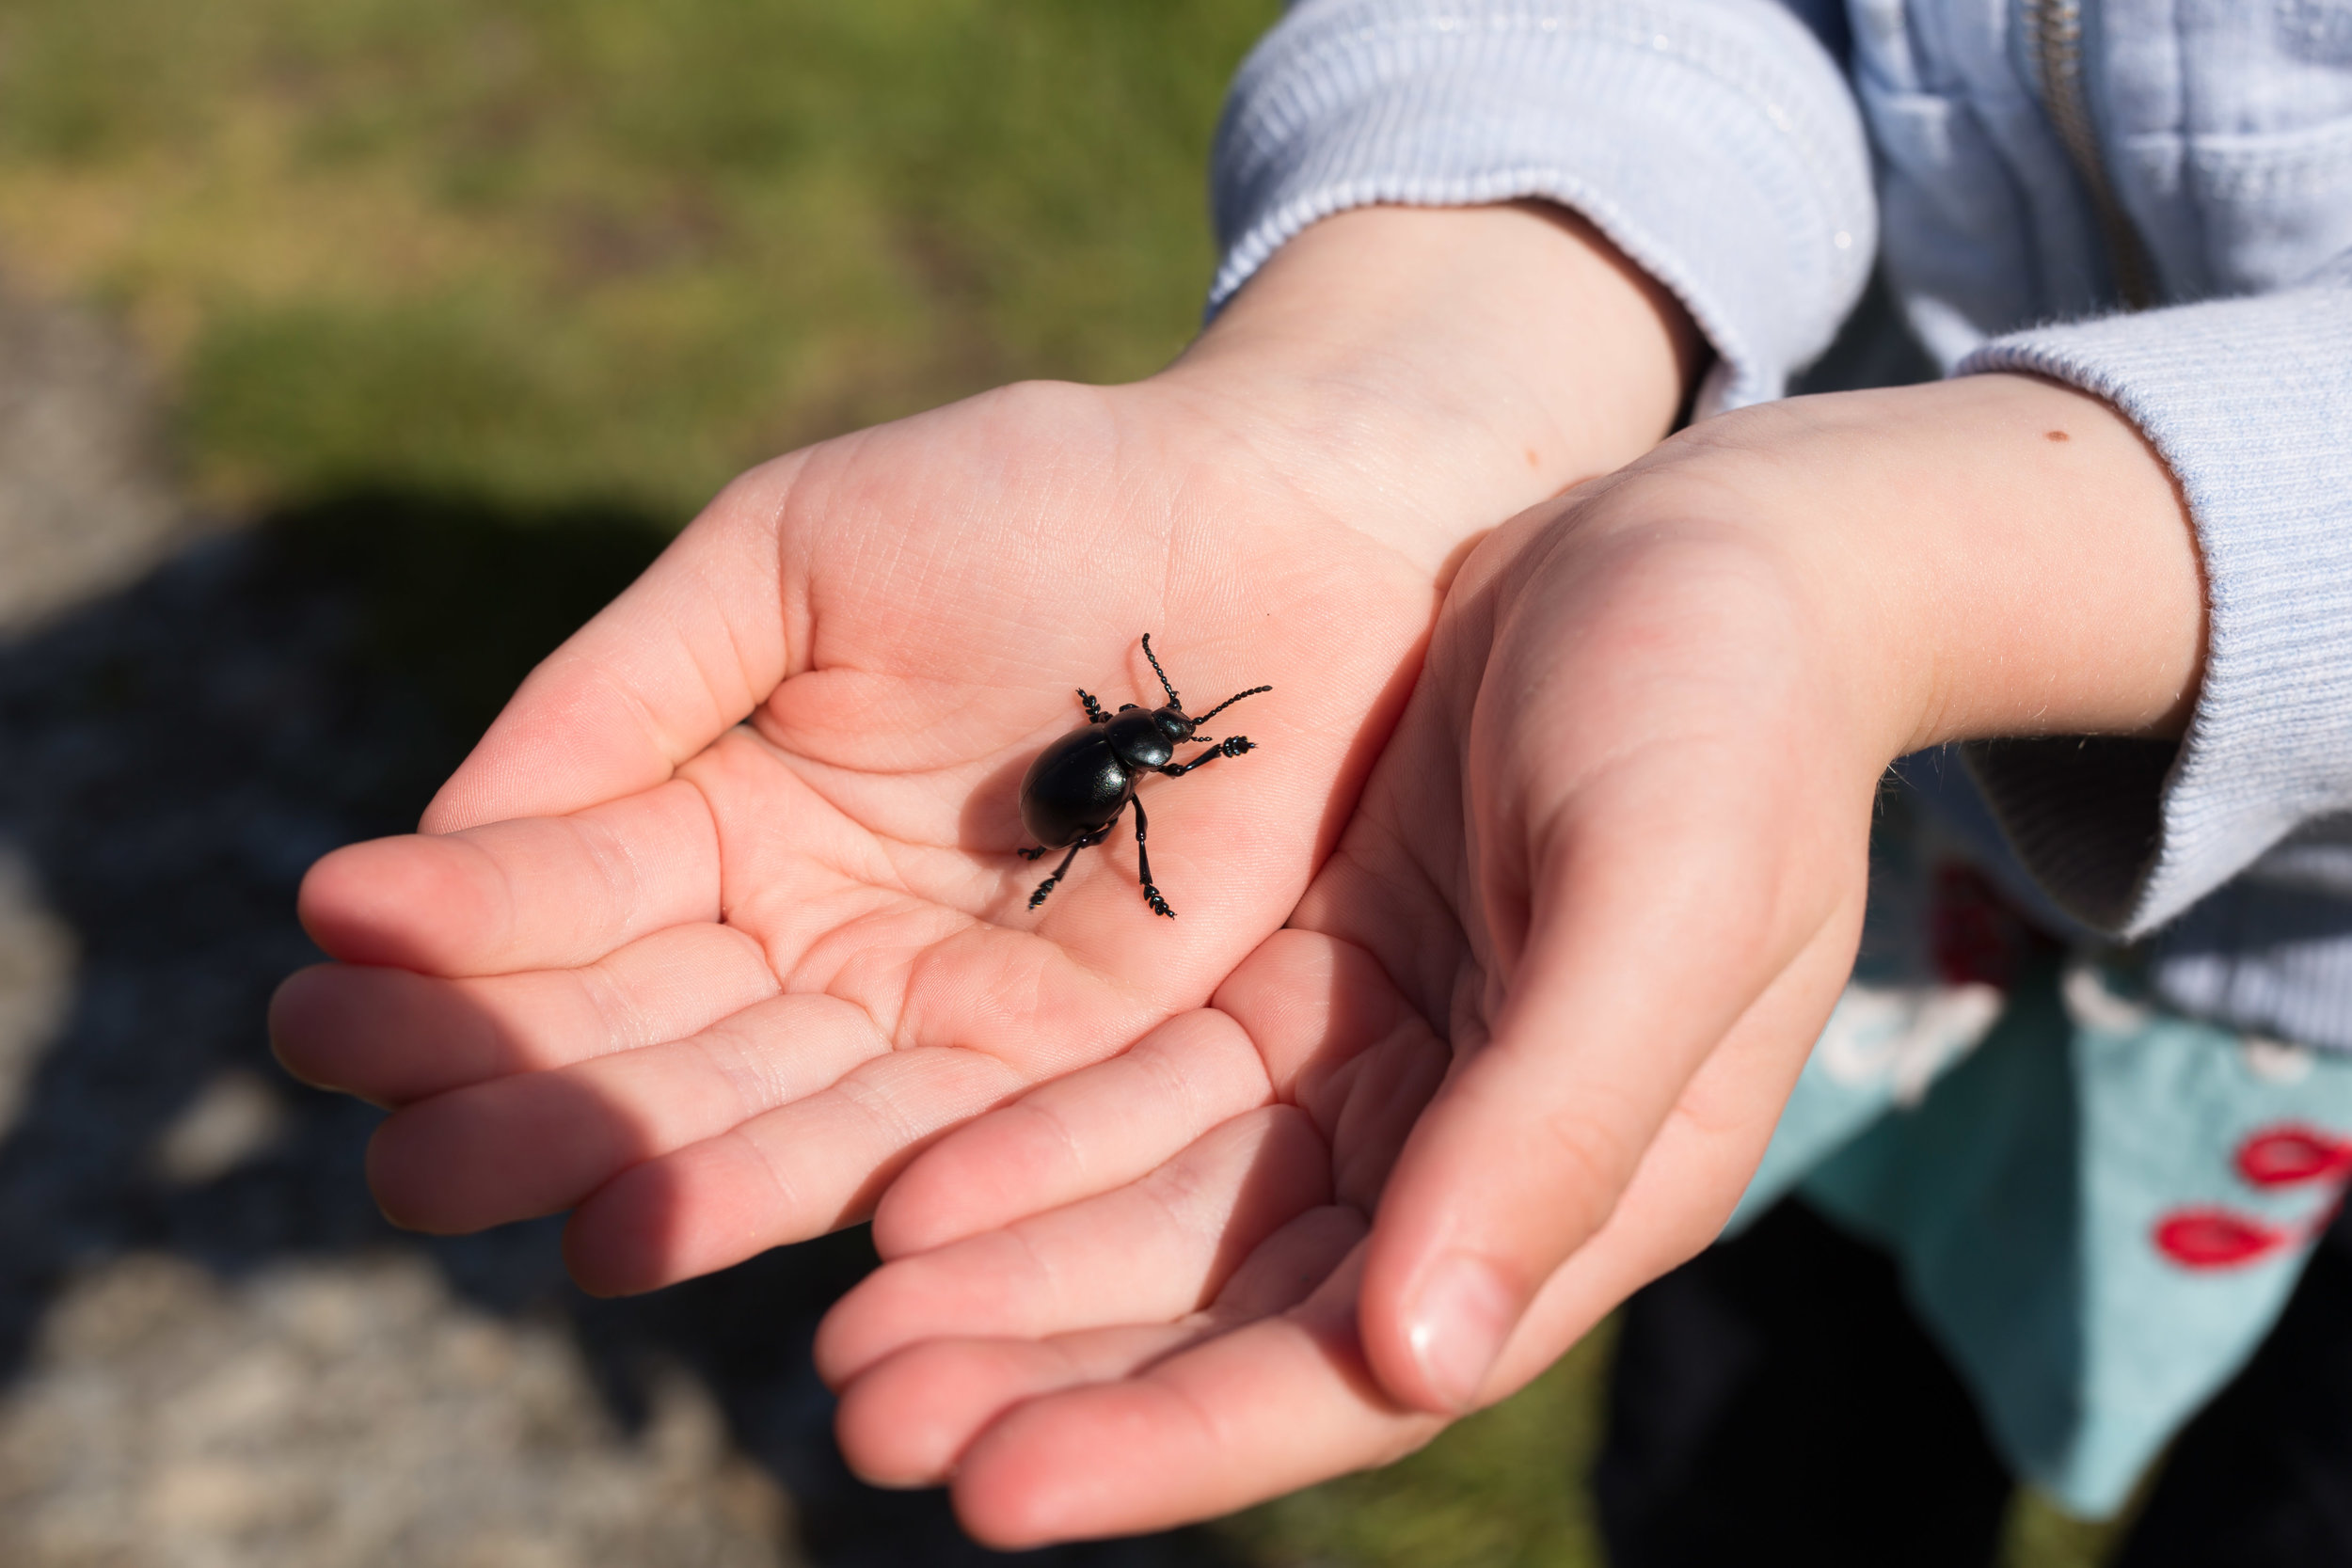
1733 148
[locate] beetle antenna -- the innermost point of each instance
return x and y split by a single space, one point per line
1230 702
1173 701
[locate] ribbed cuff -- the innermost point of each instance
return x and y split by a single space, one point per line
1713 141
2250 402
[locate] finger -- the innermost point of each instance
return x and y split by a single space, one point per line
688 649
1151 1251
1634 970
906 1420
1340 1040
1692 1175
1089 1132
913 1414
799 1171
391 1036
538 892
539 1143
1367 1098
1276 1404
1288 1022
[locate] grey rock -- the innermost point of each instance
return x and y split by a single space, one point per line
350 1412
84 502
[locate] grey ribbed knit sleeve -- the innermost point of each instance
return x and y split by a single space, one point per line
1713 141
2249 401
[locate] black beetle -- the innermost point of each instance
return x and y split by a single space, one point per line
1075 791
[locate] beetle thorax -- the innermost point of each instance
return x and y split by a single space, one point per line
1140 739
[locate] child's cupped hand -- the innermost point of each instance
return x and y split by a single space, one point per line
722 921
1528 1030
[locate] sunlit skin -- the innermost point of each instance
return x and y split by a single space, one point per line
1566 902
723 919
1540 1010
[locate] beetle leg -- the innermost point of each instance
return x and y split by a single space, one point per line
1143 866
1231 745
1080 842
1047 886
1094 710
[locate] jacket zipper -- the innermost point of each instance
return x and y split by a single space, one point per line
2054 32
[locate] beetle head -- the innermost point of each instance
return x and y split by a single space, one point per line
1172 722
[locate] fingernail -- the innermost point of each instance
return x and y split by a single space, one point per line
1457 1329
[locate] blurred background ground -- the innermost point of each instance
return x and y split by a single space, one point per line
352 352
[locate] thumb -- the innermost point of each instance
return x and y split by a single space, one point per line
1650 949
686 650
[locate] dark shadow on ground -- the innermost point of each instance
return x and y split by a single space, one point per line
176 753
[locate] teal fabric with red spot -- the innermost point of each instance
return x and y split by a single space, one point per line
2098 1206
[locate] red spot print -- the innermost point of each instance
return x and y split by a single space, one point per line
2287 1155
2216 1239
2283 1156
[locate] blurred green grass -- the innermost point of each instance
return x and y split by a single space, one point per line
585 258
537 249
1505 1489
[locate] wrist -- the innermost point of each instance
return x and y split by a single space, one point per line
2076 599
1455 365
1993 555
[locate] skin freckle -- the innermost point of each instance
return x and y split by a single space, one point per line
1532 460
2055 435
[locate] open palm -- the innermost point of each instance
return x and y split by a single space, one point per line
722 921
726 975
1540 1010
